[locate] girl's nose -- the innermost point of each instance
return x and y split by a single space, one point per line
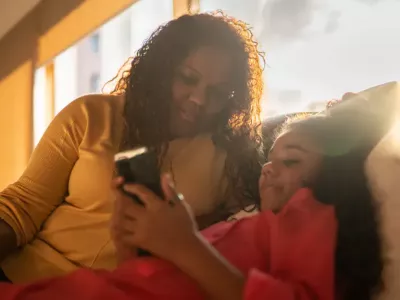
267 169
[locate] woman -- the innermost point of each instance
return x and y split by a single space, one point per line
322 242
193 93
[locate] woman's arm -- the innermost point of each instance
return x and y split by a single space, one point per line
25 204
8 240
215 275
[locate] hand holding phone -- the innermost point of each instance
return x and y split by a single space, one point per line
140 166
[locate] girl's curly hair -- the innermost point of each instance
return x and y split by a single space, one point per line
346 143
147 88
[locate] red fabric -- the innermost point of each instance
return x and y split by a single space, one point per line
286 256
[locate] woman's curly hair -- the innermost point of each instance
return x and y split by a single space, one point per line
147 88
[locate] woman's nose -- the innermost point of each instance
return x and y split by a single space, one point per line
198 96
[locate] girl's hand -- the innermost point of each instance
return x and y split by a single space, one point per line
163 227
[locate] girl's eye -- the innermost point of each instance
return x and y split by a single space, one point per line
187 79
290 162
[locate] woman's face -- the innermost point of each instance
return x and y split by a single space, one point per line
293 161
200 91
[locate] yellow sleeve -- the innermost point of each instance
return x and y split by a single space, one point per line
27 203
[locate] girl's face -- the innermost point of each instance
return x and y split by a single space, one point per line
293 162
200 91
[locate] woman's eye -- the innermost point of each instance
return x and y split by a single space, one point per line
217 94
215 99
290 162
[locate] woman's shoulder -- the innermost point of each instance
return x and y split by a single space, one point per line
92 111
95 103
90 116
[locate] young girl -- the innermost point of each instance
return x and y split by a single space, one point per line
316 236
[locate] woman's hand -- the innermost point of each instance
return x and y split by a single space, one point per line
121 226
164 227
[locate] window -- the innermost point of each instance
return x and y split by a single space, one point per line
317 51
65 78
95 60
147 16
95 42
95 83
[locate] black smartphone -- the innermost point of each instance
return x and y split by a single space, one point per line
140 166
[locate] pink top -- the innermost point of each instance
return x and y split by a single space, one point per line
287 256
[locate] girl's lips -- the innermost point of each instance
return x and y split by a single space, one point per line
191 118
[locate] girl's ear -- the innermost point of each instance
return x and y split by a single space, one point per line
306 183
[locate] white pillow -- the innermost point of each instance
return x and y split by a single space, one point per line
383 172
